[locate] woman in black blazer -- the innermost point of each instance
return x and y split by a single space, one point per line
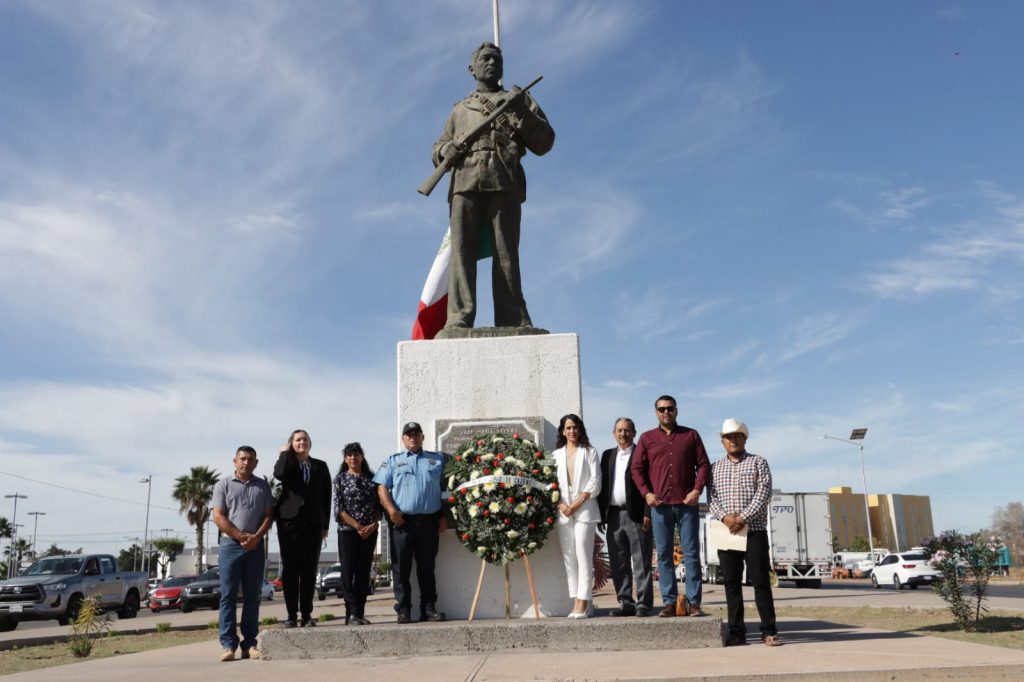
303 518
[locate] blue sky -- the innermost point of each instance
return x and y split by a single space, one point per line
809 216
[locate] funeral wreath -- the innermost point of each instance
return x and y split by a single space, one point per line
502 492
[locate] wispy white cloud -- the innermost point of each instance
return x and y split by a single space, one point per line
657 312
707 116
885 205
966 257
739 389
620 384
808 334
953 13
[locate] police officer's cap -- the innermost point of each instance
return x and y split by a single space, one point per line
411 427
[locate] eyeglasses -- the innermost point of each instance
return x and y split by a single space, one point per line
666 408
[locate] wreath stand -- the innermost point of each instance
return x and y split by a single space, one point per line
508 589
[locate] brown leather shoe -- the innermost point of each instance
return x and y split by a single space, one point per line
668 612
696 611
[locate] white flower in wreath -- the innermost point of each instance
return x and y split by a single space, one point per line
528 443
516 461
555 496
499 472
469 451
547 471
476 491
488 487
494 507
532 545
473 511
497 439
487 457
481 550
521 508
512 534
474 474
451 482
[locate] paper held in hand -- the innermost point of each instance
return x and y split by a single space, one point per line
721 538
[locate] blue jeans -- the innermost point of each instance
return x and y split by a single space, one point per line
664 520
239 568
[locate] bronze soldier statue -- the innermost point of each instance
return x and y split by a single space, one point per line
488 186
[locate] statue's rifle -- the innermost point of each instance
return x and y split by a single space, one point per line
463 145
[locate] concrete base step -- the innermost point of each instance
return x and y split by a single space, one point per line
336 640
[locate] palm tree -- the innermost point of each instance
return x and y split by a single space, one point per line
193 494
5 528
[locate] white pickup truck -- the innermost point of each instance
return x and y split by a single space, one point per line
52 588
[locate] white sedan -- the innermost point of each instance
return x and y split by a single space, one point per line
266 591
908 568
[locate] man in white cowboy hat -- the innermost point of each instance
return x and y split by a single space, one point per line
738 496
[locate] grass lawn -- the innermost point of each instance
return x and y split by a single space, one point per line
997 628
48 655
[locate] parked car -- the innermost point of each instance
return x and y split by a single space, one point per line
54 587
203 591
907 568
277 583
168 595
329 580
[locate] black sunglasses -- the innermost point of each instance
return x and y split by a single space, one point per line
666 408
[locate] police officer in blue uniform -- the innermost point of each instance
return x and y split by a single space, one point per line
409 484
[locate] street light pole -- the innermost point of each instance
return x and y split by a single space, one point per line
148 480
14 535
857 438
135 556
35 527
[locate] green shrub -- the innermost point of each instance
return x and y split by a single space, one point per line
269 620
214 624
966 564
163 627
324 617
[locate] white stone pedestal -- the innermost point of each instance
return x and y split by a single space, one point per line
492 379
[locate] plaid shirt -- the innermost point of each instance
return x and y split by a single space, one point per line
743 487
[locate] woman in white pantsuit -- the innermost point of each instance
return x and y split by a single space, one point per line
579 480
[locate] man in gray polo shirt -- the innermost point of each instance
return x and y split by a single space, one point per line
243 509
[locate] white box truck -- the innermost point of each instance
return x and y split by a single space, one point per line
800 527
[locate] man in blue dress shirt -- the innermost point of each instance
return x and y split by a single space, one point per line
409 484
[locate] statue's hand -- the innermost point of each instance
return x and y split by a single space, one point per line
449 150
516 100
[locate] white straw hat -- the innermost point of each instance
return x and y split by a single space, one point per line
734 426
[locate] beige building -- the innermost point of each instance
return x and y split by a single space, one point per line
898 522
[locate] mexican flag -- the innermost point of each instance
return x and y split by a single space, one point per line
433 309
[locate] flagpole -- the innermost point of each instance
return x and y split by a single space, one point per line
497 24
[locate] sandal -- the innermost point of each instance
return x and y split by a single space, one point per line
771 640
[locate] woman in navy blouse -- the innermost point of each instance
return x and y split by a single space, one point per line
357 509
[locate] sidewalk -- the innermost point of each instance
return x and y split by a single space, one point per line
812 650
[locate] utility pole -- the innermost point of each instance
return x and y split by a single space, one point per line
11 572
148 480
35 527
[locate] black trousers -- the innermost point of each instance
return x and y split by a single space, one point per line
300 558
416 539
355 555
758 569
